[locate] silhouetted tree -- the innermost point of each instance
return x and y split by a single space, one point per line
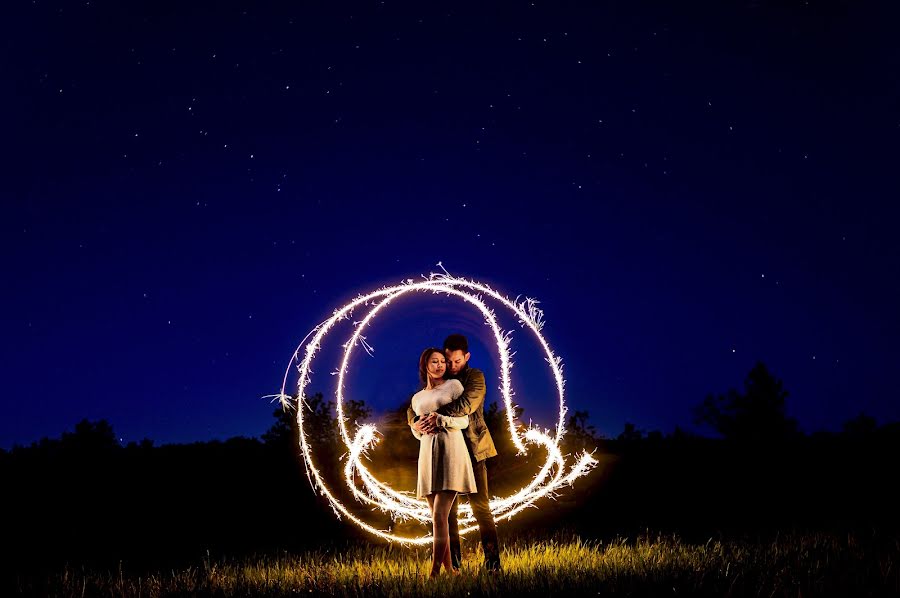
631 433
861 426
756 415
580 435
283 432
91 437
495 418
356 412
144 445
319 424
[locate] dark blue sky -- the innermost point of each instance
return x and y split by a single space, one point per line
687 188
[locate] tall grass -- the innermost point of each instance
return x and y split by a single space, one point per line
791 565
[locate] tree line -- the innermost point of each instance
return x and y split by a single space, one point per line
85 497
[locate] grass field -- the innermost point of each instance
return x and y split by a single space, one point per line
789 565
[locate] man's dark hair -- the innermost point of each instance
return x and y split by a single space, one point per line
456 342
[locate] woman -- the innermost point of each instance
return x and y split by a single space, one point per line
445 468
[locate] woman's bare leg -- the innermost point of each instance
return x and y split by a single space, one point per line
440 503
434 562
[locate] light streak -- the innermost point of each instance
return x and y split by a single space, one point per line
552 476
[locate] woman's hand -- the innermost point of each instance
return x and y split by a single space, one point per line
427 424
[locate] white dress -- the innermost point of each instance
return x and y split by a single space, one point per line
444 462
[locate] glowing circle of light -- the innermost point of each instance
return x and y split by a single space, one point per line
404 505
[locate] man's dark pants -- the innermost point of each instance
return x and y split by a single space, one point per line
482 511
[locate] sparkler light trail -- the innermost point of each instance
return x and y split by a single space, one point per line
403 505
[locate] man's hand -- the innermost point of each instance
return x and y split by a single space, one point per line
426 424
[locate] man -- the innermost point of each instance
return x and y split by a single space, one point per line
480 444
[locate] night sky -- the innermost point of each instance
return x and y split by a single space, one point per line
687 187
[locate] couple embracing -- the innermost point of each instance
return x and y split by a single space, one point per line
447 416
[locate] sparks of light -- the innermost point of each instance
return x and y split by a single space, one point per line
552 476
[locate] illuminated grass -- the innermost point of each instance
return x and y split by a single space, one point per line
795 565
